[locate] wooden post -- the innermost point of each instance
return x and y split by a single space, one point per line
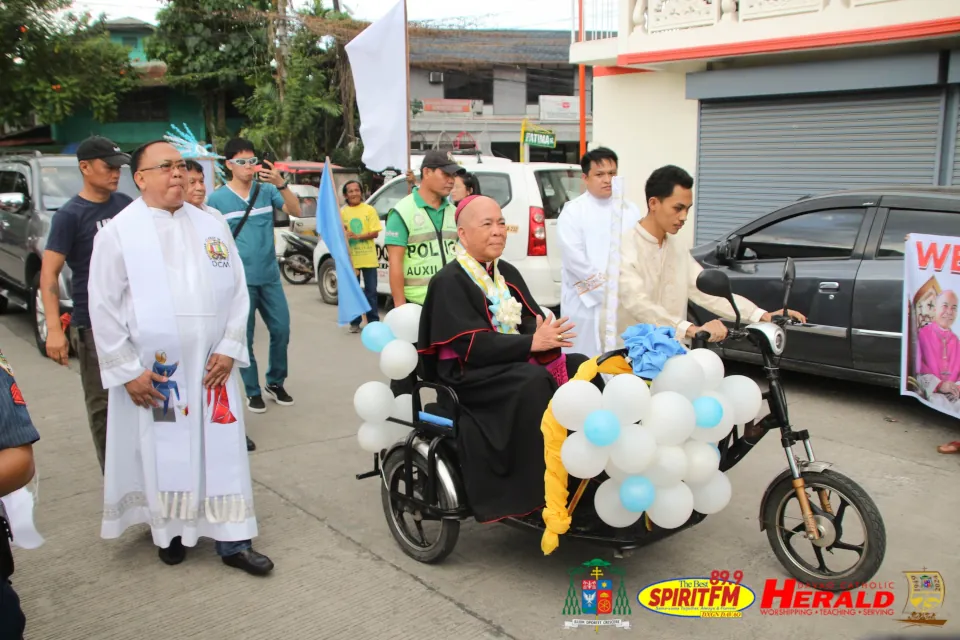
583 93
406 44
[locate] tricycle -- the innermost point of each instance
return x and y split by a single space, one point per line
422 486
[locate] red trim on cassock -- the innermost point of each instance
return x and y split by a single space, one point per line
431 350
470 348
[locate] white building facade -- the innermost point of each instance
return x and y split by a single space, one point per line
767 101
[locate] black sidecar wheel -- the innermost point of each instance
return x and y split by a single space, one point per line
406 524
786 532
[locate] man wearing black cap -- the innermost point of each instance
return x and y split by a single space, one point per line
421 231
71 240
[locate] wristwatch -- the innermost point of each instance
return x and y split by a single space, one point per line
283 186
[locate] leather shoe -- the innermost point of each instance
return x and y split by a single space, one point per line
251 446
250 561
175 553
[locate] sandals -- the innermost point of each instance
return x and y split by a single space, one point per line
950 447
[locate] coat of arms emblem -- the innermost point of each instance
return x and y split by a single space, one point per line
596 596
216 250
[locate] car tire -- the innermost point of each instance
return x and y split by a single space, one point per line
35 308
327 281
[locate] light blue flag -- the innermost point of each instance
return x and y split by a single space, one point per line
351 301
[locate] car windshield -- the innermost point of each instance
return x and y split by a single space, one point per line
557 187
60 183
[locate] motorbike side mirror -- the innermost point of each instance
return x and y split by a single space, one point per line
715 282
789 275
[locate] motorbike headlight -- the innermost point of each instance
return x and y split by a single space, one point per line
779 340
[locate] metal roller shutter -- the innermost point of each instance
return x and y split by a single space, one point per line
755 157
955 180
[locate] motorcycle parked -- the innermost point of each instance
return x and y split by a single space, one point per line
296 263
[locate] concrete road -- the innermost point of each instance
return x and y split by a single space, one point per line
341 575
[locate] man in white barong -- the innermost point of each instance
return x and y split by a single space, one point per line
169 305
590 229
658 277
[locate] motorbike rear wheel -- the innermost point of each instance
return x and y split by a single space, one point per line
406 524
783 531
296 269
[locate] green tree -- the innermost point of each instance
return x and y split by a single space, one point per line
210 48
303 120
54 64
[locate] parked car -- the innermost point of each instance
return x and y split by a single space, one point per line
32 188
531 196
848 249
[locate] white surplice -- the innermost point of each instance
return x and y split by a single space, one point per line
657 283
131 494
587 237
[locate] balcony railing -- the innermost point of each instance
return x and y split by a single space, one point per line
656 16
600 20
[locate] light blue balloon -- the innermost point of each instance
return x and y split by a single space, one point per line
376 336
602 428
709 411
637 494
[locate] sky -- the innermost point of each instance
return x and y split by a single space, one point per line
499 14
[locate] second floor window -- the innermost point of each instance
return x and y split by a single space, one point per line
549 82
476 84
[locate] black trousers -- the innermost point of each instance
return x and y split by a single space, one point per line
12 620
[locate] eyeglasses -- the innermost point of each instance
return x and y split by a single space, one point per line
242 162
167 167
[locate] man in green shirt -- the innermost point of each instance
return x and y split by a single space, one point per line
421 231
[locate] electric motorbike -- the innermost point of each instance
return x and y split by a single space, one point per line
296 263
806 510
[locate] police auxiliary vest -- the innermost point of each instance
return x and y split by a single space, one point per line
428 248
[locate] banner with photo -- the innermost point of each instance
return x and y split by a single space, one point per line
930 353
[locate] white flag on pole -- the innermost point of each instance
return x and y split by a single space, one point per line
378 61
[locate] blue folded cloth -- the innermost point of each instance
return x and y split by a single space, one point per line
649 348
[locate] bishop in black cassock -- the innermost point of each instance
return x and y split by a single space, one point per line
482 334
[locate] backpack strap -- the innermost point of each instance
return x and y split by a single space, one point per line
246 214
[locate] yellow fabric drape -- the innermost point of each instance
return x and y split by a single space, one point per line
555 514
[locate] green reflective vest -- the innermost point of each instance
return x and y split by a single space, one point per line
428 248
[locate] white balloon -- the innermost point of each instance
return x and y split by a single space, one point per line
398 359
723 428
634 450
609 508
672 506
712 367
404 321
615 472
373 436
682 374
582 459
574 401
628 397
668 468
702 462
713 495
744 395
672 418
403 407
373 402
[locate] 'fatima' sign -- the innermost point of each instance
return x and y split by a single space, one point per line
545 139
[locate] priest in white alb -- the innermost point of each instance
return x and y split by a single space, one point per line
590 229
169 304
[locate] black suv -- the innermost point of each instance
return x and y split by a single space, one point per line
32 188
848 250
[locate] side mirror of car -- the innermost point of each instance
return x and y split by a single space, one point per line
715 282
726 252
12 202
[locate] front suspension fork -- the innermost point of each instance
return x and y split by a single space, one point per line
800 487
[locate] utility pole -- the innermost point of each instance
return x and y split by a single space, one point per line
336 5
281 50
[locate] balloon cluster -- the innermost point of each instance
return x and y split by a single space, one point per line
657 444
394 340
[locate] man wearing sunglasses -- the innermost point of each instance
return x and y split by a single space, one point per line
255 242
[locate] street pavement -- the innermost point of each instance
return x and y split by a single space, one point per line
341 575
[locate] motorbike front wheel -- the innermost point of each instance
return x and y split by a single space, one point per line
838 504
296 269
